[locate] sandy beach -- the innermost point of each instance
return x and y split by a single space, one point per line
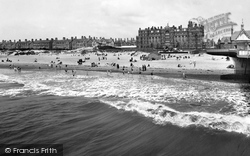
201 66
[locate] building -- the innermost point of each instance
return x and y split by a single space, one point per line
225 43
241 39
8 45
23 45
79 42
187 38
64 44
124 42
151 38
171 37
103 42
42 44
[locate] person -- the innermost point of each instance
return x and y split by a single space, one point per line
184 76
15 68
19 69
73 72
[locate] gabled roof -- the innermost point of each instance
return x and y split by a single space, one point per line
237 33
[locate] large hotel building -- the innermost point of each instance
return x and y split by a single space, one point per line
171 37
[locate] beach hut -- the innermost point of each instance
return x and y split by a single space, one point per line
154 56
144 57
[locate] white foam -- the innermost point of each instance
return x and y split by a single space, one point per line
162 114
150 97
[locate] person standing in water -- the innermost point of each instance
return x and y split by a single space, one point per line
184 76
73 72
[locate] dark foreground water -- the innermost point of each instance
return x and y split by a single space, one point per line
98 114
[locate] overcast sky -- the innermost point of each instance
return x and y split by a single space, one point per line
27 19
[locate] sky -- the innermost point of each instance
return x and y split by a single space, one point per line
35 19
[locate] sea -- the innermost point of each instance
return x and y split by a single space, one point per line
116 114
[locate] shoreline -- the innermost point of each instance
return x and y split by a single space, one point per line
198 74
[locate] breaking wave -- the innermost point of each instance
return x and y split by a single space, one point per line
216 105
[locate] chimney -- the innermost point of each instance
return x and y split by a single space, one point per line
56 38
32 40
63 38
25 40
82 37
75 37
52 39
19 40
47 39
242 25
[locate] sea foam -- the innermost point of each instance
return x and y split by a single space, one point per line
216 105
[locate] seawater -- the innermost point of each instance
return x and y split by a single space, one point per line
98 113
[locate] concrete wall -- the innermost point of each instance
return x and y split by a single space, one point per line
242 66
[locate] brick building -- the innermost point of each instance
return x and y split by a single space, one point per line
42 44
63 44
151 38
8 45
171 37
79 42
23 45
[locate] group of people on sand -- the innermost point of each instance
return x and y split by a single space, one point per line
16 69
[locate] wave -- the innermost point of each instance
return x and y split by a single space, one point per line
162 114
217 105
